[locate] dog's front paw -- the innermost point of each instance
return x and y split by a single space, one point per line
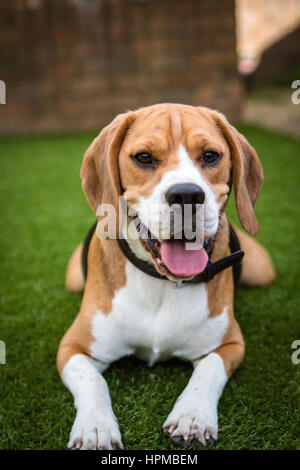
192 422
93 430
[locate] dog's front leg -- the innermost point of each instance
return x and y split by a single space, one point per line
95 426
194 419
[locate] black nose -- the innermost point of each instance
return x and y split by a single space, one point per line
185 194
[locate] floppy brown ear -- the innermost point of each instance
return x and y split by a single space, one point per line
247 173
100 171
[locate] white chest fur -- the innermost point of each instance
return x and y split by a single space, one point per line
154 320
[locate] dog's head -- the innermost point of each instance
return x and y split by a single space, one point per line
166 156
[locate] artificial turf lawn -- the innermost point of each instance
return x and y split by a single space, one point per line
43 217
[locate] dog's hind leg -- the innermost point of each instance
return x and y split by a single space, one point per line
257 268
74 281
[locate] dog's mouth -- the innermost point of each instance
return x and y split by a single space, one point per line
173 257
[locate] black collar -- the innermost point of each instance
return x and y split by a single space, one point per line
234 259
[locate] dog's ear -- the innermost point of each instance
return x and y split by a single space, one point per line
100 170
247 173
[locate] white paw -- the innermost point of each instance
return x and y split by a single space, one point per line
192 422
94 430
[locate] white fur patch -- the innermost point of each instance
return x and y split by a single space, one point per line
155 320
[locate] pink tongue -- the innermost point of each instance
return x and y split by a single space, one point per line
180 261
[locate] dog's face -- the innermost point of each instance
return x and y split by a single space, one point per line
166 156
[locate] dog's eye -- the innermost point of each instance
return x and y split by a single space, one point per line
143 159
210 157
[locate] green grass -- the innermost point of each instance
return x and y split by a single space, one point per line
43 216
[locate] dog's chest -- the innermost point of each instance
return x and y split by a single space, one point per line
155 320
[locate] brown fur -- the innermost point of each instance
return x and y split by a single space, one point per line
74 276
247 174
106 275
257 268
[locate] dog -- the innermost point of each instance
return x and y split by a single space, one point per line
132 302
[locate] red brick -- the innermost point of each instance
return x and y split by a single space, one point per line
71 67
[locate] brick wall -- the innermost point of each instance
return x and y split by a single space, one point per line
73 64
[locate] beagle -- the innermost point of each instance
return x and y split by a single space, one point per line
164 155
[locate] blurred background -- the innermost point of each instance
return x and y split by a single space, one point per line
72 65
69 67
